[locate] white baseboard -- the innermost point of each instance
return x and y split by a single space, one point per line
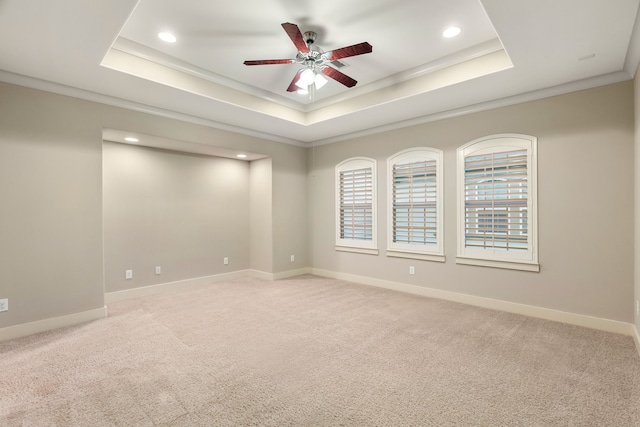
171 286
511 307
198 281
278 276
291 273
257 274
24 329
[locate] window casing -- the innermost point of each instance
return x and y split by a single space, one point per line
356 219
414 218
497 202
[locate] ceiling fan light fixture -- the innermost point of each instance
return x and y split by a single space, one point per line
319 81
307 77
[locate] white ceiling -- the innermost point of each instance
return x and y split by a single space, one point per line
508 51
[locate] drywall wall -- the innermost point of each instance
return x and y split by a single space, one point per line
585 190
181 212
51 246
260 210
636 299
50 208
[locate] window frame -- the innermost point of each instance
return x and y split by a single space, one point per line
409 250
519 260
351 245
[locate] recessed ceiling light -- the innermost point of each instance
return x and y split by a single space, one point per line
451 32
241 156
167 37
131 139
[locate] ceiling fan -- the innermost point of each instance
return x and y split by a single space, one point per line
314 60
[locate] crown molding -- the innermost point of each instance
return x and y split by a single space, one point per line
589 83
60 89
65 90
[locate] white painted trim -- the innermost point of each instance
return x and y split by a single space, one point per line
603 80
25 329
171 286
257 274
510 265
366 251
291 273
281 275
415 255
60 89
510 307
636 337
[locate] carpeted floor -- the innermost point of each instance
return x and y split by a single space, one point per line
311 351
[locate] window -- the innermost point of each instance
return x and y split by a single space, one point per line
415 204
497 206
356 206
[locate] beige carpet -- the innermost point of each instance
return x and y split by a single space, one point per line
311 351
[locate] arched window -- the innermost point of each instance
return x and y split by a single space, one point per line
414 220
356 221
497 202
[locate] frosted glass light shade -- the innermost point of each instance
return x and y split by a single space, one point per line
319 81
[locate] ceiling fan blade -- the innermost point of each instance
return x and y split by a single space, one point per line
339 76
345 52
269 61
292 86
296 36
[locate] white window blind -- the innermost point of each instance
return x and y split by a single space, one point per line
356 204
414 205
495 200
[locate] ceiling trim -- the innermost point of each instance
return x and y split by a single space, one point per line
60 89
137 50
575 86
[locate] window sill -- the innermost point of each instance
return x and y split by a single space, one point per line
356 250
510 265
414 255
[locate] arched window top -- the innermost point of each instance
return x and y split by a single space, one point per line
497 202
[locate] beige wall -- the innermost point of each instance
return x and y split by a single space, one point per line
51 246
183 212
50 208
637 196
261 227
585 221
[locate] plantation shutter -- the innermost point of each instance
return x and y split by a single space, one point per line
414 200
496 201
356 204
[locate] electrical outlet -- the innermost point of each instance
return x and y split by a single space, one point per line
412 269
4 304
128 274
226 260
158 270
293 258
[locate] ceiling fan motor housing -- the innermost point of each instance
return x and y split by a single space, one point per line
309 37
